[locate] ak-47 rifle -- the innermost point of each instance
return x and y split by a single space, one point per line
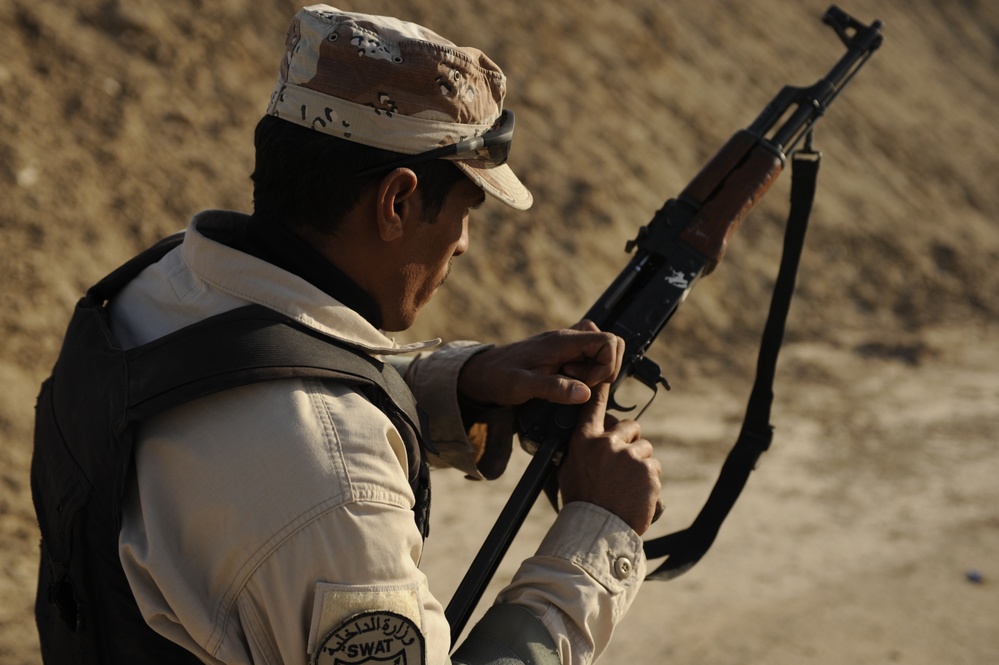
684 241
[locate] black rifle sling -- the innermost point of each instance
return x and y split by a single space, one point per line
685 548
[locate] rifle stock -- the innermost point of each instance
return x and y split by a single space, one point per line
685 240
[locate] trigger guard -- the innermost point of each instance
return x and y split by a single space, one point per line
613 405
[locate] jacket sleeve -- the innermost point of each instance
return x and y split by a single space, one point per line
508 634
475 439
586 572
578 586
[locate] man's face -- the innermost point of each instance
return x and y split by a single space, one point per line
427 251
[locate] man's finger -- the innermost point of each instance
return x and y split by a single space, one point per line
591 357
557 389
591 417
630 432
660 509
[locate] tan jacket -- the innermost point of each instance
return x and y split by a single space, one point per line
261 518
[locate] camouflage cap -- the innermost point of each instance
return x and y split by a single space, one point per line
393 85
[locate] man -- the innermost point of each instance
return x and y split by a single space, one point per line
274 522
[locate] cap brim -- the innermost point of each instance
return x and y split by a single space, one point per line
499 181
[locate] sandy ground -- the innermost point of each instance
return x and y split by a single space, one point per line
854 539
869 533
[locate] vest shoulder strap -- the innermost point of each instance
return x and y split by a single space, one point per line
247 345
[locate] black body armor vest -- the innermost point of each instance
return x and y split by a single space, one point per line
83 450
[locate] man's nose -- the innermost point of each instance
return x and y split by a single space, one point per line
462 245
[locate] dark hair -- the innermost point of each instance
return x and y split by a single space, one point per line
302 177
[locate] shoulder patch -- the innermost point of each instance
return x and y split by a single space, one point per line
373 638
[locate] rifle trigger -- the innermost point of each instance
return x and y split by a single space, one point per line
612 405
649 373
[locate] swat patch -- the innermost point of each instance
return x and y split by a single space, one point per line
372 637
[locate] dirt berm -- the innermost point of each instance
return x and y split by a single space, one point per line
868 534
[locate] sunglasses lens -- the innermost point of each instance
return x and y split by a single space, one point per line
499 153
495 154
496 148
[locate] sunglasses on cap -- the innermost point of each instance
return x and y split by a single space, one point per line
492 147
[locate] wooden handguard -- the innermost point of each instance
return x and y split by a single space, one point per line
726 190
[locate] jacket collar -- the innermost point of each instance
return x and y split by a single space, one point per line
209 250
280 246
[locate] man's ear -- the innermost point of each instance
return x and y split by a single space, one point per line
396 203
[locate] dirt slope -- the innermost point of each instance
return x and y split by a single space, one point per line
118 120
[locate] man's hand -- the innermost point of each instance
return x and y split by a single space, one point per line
610 465
560 366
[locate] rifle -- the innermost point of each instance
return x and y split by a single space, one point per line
685 241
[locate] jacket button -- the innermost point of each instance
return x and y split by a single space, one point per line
623 567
